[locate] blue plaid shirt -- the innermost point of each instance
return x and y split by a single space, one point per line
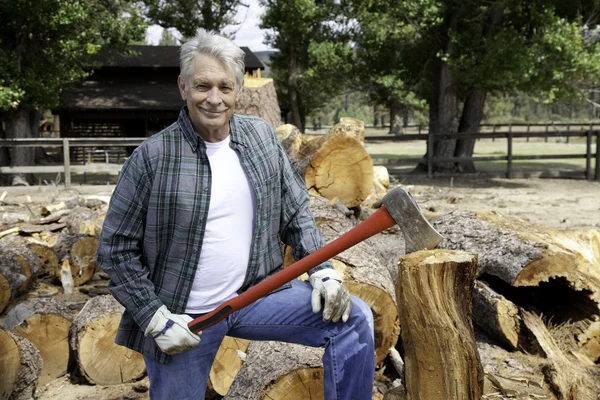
153 232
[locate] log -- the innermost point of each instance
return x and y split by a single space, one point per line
497 316
259 98
80 251
12 278
96 358
82 220
381 185
525 255
590 342
45 323
20 363
277 370
290 138
19 250
434 292
48 259
227 364
350 127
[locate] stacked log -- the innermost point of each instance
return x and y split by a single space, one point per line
20 363
97 359
276 370
45 323
79 251
12 278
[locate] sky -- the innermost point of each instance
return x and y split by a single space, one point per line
247 34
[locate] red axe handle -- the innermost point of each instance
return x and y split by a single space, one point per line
377 222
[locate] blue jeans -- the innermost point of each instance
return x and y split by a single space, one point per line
286 315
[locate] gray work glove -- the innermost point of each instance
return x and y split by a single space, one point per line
327 285
171 332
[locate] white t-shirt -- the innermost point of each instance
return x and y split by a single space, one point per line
229 228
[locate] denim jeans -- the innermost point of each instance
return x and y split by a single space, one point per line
286 315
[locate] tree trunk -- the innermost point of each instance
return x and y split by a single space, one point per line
21 364
96 358
397 112
258 98
45 323
434 291
469 123
278 371
22 123
292 81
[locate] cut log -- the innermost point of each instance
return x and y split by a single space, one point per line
97 359
12 278
496 316
525 255
20 363
277 370
568 377
45 323
290 138
381 184
48 259
259 98
590 342
80 251
82 220
434 292
366 278
227 364
19 250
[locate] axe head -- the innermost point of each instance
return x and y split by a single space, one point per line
418 232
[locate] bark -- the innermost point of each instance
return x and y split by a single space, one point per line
17 248
397 113
277 370
258 98
82 220
469 123
96 358
79 251
21 364
12 278
45 323
434 291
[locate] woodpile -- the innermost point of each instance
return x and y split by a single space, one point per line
20 363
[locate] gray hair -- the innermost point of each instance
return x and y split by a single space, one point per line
211 44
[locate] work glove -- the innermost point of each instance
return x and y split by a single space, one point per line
327 285
171 332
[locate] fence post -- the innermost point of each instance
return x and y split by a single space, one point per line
493 131
430 154
509 173
568 130
597 177
546 138
528 129
67 163
588 155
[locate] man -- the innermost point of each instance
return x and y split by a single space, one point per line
196 219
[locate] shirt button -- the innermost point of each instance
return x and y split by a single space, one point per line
205 189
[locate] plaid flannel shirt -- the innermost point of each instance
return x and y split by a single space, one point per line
153 232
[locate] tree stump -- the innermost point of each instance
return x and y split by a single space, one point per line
45 323
80 251
227 364
434 292
259 98
277 370
97 359
20 363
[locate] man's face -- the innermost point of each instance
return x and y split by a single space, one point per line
210 93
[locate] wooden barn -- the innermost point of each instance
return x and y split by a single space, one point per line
128 96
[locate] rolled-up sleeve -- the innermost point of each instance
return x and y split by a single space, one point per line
297 226
120 248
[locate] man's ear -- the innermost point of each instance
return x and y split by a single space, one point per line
181 85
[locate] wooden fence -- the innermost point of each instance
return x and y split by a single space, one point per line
429 160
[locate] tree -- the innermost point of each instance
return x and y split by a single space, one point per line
314 59
188 15
467 49
167 39
47 46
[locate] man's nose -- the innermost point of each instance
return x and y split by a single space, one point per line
214 96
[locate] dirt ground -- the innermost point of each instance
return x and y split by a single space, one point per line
567 204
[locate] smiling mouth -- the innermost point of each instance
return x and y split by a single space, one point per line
211 112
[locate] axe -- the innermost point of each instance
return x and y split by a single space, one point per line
398 207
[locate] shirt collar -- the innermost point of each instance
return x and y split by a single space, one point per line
235 130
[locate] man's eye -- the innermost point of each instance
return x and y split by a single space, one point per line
226 89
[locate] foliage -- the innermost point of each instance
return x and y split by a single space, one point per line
314 58
45 46
167 39
188 15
